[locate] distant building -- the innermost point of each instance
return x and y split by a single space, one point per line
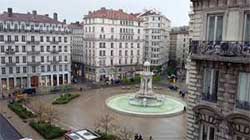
78 54
219 71
34 50
179 45
113 42
156 35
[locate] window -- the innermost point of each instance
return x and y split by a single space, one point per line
243 99
54 67
42 69
65 40
215 27
32 38
48 39
65 67
60 58
2 60
65 58
2 48
41 38
24 69
10 70
60 39
3 71
33 48
112 45
210 85
60 67
111 53
60 49
8 38
16 48
65 48
42 59
16 38
23 38
10 59
33 68
120 53
102 29
24 59
23 48
48 68
42 48
247 28
111 62
207 132
17 69
17 59
1 38
48 48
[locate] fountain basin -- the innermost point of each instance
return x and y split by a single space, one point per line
170 106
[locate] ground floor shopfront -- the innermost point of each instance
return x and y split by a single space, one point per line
8 84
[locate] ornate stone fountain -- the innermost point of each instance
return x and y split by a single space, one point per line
145 96
145 102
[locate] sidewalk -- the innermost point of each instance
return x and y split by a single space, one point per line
23 128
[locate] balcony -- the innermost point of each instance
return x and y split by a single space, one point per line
9 42
54 62
33 52
34 63
225 51
32 42
54 42
10 52
54 52
10 64
243 105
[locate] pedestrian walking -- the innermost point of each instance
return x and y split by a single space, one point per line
136 137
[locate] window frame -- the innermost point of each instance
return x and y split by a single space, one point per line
216 15
208 131
245 26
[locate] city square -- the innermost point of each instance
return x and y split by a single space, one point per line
125 70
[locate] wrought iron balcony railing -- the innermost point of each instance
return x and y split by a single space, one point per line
222 48
33 42
33 52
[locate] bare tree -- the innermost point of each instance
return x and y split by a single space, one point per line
45 112
106 124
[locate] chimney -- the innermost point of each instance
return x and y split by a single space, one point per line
103 8
90 12
77 22
64 21
55 16
34 12
47 15
120 10
9 12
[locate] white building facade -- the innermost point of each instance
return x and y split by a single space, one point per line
156 34
113 43
34 51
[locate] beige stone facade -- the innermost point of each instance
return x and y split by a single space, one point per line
218 71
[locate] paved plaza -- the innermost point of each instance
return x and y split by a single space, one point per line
84 111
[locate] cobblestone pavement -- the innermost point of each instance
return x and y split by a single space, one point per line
84 111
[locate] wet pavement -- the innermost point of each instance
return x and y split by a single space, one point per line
7 131
84 111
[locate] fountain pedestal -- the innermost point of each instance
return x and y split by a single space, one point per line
145 96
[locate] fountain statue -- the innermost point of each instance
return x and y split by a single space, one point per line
145 96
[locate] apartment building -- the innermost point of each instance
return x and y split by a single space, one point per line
78 55
179 45
34 50
156 35
113 42
219 71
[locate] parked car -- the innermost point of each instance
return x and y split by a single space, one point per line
29 91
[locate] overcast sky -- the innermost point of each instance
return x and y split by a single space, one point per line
73 10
